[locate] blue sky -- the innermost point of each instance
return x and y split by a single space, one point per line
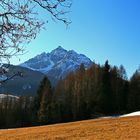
100 29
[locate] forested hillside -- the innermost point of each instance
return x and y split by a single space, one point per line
83 94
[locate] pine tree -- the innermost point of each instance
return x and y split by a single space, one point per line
134 92
120 87
44 95
79 92
105 98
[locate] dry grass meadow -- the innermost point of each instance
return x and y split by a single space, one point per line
127 128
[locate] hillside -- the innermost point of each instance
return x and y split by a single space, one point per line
125 128
26 85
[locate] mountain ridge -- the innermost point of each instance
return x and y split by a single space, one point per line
57 63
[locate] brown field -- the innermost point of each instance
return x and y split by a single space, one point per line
127 128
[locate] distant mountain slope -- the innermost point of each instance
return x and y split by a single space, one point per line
26 85
58 63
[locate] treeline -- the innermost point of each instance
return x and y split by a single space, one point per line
83 94
16 112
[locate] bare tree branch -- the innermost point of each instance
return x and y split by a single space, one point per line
19 23
10 77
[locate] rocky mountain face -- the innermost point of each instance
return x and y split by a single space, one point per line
57 64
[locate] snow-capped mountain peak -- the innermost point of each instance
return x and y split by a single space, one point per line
58 63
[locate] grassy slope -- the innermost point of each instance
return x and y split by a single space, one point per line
99 129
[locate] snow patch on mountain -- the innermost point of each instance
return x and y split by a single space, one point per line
26 87
3 77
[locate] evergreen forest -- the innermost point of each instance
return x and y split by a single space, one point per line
84 94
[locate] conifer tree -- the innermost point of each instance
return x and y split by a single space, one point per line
134 93
105 99
44 95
